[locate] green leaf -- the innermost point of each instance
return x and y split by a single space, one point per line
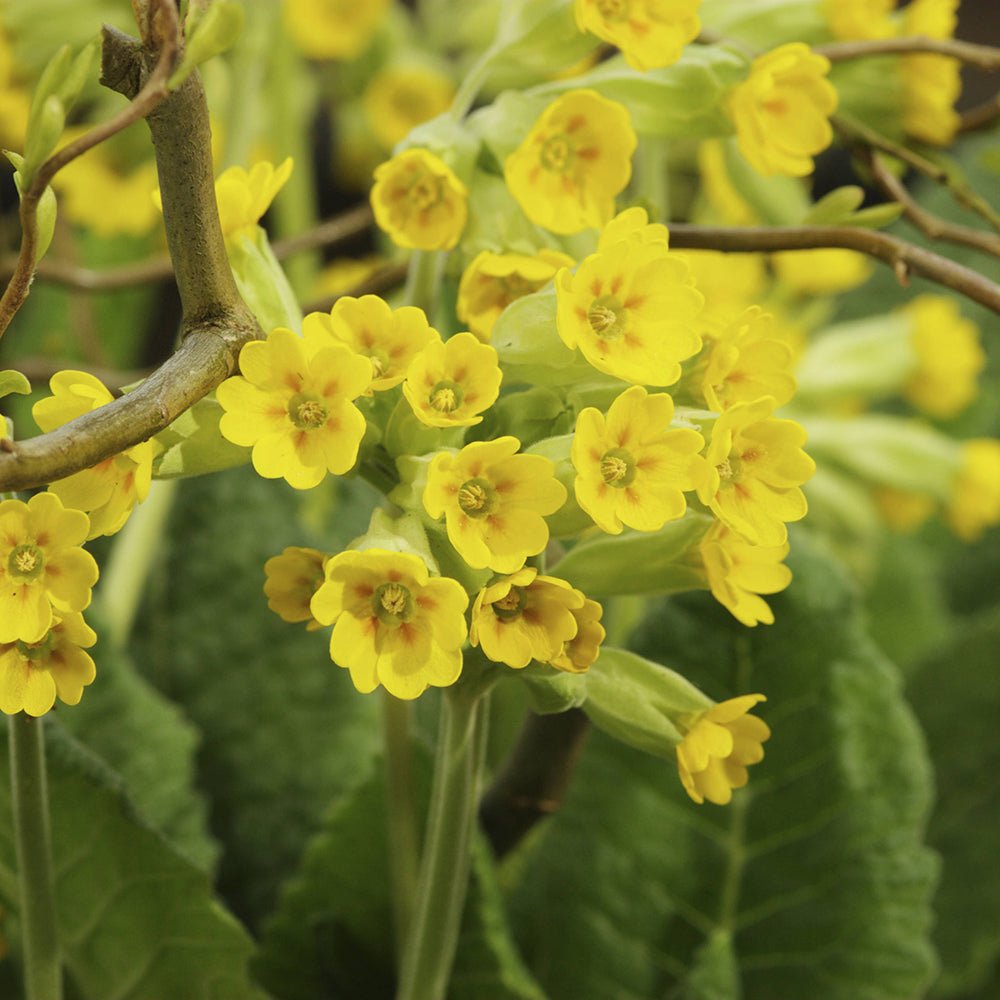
875 217
194 445
12 381
213 32
137 921
834 207
818 872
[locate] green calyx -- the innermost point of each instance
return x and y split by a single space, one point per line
25 563
392 604
307 412
477 498
618 468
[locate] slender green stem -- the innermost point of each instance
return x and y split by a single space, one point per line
401 808
654 179
444 867
42 967
422 281
471 84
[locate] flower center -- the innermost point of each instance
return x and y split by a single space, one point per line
613 10
38 652
379 366
477 498
729 468
425 193
557 154
392 604
26 562
618 468
446 397
510 605
607 317
307 412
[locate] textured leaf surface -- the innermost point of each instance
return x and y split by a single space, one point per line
813 883
137 921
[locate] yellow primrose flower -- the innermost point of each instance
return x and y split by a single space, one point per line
631 466
333 29
650 33
493 280
244 196
525 617
580 652
739 572
632 225
401 97
450 384
718 745
931 83
32 674
782 110
828 271
393 624
494 502
419 201
949 357
744 363
292 579
856 19
293 405
42 566
571 165
730 283
108 491
105 200
389 338
903 510
755 468
631 310
974 504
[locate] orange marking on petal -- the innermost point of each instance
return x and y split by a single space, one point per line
635 301
588 154
580 313
427 603
595 287
574 123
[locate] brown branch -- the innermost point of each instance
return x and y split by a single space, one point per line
985 57
143 103
534 779
981 116
931 225
903 257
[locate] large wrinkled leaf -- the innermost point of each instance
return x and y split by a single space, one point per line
136 920
814 883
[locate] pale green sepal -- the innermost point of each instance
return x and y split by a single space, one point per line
503 124
638 562
877 216
447 139
208 34
397 534
551 691
835 207
570 519
529 415
496 221
13 381
406 434
765 24
193 445
413 469
262 282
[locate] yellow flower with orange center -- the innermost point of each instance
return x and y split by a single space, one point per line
493 280
782 110
718 745
333 29
393 624
292 579
33 674
44 573
389 338
631 466
650 33
419 202
974 504
525 617
401 97
931 83
494 502
108 491
450 384
571 165
739 572
294 406
755 468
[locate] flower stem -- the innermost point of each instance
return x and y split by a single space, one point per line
40 939
444 867
422 281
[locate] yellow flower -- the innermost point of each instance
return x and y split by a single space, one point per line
632 225
419 201
744 363
853 19
244 196
402 97
631 467
292 579
903 510
718 745
450 384
974 504
344 274
949 357
755 468
93 193
333 29
571 165
631 310
738 572
932 83
493 280
494 502
782 110
42 566
580 652
389 338
724 200
293 405
822 272
730 283
108 491
394 625
33 673
650 33
525 617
